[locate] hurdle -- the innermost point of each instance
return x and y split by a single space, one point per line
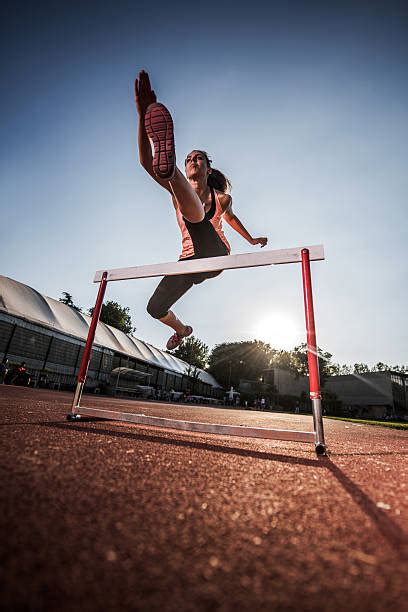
303 255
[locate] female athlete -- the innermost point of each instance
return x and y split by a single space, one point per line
201 201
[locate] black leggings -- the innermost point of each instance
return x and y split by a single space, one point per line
206 243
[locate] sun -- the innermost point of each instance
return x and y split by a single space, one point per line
279 330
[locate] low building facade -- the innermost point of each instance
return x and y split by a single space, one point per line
372 394
50 337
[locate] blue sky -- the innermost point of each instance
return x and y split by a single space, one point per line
303 106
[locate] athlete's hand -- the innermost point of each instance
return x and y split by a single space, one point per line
262 241
144 94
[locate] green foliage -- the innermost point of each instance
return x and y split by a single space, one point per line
193 351
193 373
231 361
383 367
361 368
296 361
68 300
117 316
282 359
341 370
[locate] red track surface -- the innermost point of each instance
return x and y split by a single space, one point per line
100 515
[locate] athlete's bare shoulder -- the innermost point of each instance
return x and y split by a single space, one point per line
225 200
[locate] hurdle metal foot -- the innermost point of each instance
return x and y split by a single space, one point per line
320 449
73 417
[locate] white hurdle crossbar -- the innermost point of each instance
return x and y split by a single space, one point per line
213 264
301 255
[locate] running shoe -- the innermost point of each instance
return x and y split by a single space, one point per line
175 340
159 128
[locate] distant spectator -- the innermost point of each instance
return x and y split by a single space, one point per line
3 370
21 376
297 407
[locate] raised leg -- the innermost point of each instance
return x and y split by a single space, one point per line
158 127
174 322
188 201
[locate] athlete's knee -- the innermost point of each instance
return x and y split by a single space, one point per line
155 308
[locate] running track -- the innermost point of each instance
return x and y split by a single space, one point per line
101 515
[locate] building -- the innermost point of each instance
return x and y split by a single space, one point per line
372 394
286 383
50 337
279 387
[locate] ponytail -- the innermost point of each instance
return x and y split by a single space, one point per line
216 179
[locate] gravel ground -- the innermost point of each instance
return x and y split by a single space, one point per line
102 515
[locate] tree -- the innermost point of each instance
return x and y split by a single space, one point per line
383 367
299 362
193 351
67 299
282 359
342 370
231 361
360 368
193 373
117 316
380 367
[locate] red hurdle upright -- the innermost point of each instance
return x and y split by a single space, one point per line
313 363
86 357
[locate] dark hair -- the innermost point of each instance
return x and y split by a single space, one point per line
216 179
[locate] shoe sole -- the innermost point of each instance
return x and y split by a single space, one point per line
159 128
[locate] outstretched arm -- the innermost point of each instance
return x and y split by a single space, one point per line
232 219
144 96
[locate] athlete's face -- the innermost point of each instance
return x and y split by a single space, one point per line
196 165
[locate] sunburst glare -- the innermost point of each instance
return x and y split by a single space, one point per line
279 330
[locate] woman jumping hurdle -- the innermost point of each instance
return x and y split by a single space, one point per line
201 202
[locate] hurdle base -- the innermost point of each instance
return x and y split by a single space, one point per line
226 430
77 395
321 449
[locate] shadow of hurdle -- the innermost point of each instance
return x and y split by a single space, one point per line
391 531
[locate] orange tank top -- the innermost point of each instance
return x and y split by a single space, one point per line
186 242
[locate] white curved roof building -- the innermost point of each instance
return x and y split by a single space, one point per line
24 302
